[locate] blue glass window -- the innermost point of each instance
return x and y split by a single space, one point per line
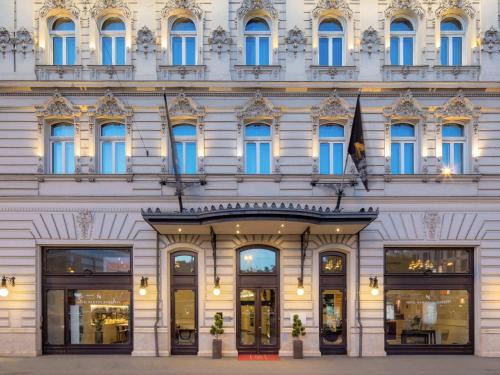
403 142
331 43
453 144
258 149
62 149
63 42
113 42
63 24
258 260
402 40
113 24
58 49
331 149
183 42
257 42
257 24
185 145
113 156
183 24
330 25
452 35
107 51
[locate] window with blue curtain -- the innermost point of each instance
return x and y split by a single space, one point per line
257 42
453 143
258 149
62 148
331 43
452 37
113 49
402 42
331 149
185 145
113 155
183 35
403 146
63 42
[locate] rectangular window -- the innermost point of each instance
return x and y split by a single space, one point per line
444 50
69 157
394 51
458 157
446 155
107 157
177 51
180 156
338 158
70 51
407 51
57 158
408 158
324 158
190 51
251 51
457 51
120 158
81 261
264 51
120 50
337 51
190 158
107 51
429 260
402 158
323 51
58 52
251 158
396 158
265 158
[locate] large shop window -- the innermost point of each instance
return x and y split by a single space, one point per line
429 300
87 300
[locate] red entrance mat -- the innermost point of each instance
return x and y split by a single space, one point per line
258 357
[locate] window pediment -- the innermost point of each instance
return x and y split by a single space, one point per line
258 107
102 5
110 107
332 107
57 107
183 106
458 107
190 6
406 106
401 6
249 6
65 5
328 5
445 6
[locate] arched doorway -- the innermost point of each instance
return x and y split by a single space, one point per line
184 302
257 300
332 299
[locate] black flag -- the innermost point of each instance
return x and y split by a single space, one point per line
357 148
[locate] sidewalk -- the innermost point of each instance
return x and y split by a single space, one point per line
182 365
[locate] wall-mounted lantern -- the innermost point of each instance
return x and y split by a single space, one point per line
374 286
4 291
144 286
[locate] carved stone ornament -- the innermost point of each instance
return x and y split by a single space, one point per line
258 106
85 219
397 6
432 225
110 106
67 5
254 5
295 39
333 106
23 41
370 41
57 106
145 40
102 5
5 41
490 42
184 106
326 5
405 106
219 40
458 106
187 5
464 5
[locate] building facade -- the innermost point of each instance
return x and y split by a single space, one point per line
95 254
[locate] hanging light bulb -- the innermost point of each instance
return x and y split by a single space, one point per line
144 285
4 291
374 286
300 287
216 290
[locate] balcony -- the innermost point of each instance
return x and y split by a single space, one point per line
59 72
257 72
110 72
457 73
406 73
333 73
181 72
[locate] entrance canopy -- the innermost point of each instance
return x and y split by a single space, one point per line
260 219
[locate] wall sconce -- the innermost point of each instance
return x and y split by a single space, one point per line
144 285
300 287
374 286
4 291
216 290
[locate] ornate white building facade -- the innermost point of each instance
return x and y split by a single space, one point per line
261 98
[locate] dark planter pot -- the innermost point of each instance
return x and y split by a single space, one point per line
298 352
217 349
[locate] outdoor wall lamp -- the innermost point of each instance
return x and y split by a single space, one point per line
300 287
144 285
4 291
374 286
216 290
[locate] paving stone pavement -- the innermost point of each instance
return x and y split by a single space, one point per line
182 365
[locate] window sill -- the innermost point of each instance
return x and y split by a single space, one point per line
111 72
457 73
405 72
334 73
438 178
257 72
181 72
59 72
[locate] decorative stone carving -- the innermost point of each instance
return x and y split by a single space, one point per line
326 5
85 219
405 106
219 39
187 5
464 5
23 41
490 42
459 106
68 5
145 41
101 5
254 5
57 106
397 6
295 39
257 107
370 41
5 41
333 106
432 225
184 106
110 106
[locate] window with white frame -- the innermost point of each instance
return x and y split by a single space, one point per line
331 149
113 157
452 42
258 42
183 35
402 42
185 147
331 43
403 146
113 42
453 148
62 149
62 35
258 149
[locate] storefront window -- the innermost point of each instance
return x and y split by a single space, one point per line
428 260
83 261
258 260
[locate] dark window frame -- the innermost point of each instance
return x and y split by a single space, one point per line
258 247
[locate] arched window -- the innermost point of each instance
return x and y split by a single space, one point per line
185 146
258 260
184 263
113 42
453 136
403 142
331 149
258 149
331 43
402 42
62 35
183 35
452 41
113 159
258 42
62 148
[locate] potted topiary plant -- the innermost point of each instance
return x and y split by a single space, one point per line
298 330
215 331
